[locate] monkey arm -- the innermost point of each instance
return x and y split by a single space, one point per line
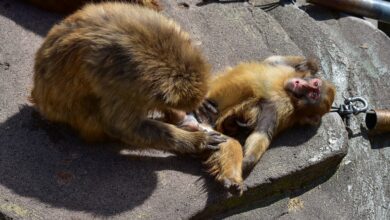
134 128
231 88
162 136
307 67
259 140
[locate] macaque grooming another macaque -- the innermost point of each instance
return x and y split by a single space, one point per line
266 98
67 6
105 67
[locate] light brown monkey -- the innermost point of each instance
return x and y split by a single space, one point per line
266 97
67 6
104 68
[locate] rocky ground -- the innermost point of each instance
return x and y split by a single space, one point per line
46 172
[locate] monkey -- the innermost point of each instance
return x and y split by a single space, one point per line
103 69
240 96
68 6
266 98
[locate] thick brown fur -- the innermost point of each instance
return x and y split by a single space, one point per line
68 6
225 165
253 94
104 68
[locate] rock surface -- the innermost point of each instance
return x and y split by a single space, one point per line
46 172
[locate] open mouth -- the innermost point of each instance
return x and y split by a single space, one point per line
314 95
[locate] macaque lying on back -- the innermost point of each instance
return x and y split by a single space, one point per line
267 97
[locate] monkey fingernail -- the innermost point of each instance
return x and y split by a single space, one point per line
212 147
217 140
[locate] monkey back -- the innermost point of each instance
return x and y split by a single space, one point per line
113 50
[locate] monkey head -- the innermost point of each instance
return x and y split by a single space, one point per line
312 98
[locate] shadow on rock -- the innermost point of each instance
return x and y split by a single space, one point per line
379 141
28 16
294 136
47 162
320 13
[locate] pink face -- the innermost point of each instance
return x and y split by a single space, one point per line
308 88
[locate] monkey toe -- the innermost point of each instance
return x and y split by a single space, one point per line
233 187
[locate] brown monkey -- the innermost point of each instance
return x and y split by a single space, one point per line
67 6
104 68
266 97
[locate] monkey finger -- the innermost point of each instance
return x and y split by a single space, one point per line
212 147
203 110
197 116
214 133
213 103
216 139
211 106
242 124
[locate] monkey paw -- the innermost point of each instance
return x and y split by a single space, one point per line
234 187
213 139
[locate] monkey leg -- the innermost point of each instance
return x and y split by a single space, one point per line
299 63
225 165
255 146
259 140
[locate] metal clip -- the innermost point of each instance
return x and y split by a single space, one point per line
350 107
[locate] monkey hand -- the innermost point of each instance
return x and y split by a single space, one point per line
207 112
212 140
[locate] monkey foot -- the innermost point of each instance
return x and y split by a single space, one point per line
234 187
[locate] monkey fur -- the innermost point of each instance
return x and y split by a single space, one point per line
263 97
103 69
225 164
68 6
